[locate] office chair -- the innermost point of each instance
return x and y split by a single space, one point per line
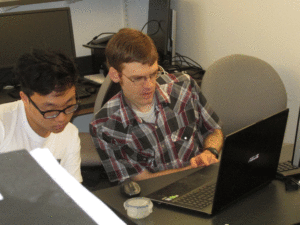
107 90
89 155
243 90
93 173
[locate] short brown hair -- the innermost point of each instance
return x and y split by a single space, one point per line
130 45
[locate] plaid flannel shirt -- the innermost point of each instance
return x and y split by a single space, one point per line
127 145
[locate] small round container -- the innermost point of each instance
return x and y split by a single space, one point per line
138 208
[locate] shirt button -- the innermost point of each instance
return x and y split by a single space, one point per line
185 138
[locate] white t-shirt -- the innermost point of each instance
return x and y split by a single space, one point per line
16 134
149 116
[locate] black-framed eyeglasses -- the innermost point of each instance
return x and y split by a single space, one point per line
50 114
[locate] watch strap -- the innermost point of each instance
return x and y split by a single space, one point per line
213 151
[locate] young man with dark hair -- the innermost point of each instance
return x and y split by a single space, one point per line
41 119
159 123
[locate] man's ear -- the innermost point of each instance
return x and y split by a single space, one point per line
114 75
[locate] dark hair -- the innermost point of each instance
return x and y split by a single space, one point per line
45 71
129 45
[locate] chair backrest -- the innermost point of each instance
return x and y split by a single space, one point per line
89 155
107 90
243 90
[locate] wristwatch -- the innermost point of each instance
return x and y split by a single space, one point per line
213 151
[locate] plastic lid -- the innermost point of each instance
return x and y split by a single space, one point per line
138 207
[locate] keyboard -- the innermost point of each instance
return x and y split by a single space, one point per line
199 197
285 166
81 92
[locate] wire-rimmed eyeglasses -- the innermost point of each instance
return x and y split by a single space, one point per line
140 80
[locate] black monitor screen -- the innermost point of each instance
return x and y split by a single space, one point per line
159 26
44 29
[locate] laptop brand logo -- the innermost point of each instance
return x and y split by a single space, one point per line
253 158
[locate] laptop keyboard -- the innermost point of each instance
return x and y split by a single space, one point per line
285 166
82 93
199 197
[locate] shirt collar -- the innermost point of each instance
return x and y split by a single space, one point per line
162 96
128 116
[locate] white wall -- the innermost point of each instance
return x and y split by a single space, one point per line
269 30
136 14
89 18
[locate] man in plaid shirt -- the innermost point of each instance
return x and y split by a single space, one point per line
159 123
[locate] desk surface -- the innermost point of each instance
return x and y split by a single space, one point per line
270 205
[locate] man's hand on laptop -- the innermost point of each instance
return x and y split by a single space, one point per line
204 159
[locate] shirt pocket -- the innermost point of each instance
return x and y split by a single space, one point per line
184 142
184 134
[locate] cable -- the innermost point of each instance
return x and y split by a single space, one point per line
94 38
183 63
150 21
183 59
187 65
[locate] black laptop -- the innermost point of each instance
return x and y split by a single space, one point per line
291 167
249 161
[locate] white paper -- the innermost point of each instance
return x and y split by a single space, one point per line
93 206
98 78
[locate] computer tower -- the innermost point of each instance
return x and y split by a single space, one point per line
99 60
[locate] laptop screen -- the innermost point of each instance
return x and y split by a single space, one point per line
296 153
252 156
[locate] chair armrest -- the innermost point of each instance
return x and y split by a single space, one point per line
89 154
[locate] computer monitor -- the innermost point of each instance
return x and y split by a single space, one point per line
160 29
43 29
